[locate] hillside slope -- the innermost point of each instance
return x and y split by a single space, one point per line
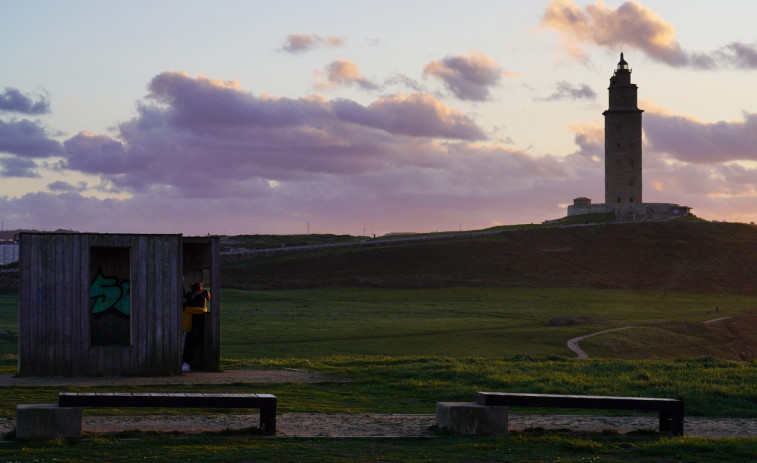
711 257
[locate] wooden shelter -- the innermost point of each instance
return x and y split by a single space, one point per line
111 304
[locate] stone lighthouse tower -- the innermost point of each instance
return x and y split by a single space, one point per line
622 141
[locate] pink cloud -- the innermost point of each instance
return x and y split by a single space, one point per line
342 72
635 25
299 43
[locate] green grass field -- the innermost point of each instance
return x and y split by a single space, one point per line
450 322
406 349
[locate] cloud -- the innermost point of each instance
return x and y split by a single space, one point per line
28 139
467 77
567 91
693 141
714 190
97 154
414 115
61 186
590 140
262 164
635 25
12 100
201 137
342 72
17 167
299 43
448 184
739 55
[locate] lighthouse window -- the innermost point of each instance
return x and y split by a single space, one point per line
618 199
630 199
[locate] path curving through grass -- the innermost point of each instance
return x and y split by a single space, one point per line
573 343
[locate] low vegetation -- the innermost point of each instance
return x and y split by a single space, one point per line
529 446
676 256
400 327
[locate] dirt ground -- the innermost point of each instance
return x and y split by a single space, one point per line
336 425
203 377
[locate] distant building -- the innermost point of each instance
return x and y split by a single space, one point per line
583 205
8 252
623 162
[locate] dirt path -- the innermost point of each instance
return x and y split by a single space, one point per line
383 425
573 343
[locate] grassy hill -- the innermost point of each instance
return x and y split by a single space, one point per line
681 256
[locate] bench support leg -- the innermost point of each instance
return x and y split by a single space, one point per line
671 421
268 420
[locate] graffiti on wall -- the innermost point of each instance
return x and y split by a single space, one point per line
110 310
106 293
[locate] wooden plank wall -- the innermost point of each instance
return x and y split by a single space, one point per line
212 352
54 306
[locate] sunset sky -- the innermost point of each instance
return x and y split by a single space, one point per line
243 117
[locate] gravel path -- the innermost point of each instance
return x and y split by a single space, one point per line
573 343
382 425
335 425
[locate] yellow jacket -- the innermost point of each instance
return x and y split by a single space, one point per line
186 316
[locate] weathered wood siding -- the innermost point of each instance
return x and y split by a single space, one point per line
54 306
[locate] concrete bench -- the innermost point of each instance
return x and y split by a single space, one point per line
45 421
671 410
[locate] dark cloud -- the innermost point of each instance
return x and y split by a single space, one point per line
342 72
18 167
97 154
693 141
568 91
635 25
12 100
28 139
65 187
299 43
209 138
467 181
436 185
739 55
467 77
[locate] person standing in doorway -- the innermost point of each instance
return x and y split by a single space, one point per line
193 322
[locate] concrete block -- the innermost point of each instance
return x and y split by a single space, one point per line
47 421
470 418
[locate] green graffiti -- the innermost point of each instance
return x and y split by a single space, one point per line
105 293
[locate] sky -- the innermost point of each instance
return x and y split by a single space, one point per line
371 117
